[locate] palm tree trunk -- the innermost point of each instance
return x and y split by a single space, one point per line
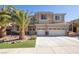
2 32
22 34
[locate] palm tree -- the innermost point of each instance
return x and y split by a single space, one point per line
22 19
5 17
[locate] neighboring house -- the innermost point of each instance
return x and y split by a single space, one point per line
50 24
74 25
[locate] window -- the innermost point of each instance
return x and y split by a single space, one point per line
50 28
57 17
54 28
58 28
43 17
63 28
40 28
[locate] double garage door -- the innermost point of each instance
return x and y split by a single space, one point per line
52 32
57 32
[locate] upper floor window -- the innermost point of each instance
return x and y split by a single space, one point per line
57 17
43 17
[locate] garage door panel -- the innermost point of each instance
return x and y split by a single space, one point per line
51 33
56 32
40 32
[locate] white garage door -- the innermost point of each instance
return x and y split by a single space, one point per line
56 32
41 32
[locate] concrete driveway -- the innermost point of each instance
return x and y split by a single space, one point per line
58 44
52 45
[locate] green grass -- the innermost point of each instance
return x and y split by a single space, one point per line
18 44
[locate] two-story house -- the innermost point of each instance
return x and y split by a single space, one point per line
50 24
47 24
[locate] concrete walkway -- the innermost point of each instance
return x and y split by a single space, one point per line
52 45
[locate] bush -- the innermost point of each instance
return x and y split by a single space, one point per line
72 34
33 37
12 33
1 41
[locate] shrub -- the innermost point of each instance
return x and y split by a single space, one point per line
33 37
72 34
12 33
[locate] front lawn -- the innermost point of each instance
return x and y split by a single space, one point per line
18 44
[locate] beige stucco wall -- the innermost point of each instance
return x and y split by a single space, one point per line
59 25
78 29
50 17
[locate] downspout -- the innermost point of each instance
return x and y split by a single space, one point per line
72 26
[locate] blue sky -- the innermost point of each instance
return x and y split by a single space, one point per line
72 11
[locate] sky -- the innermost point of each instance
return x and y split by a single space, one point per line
72 11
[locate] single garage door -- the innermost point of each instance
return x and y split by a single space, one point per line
41 32
57 32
